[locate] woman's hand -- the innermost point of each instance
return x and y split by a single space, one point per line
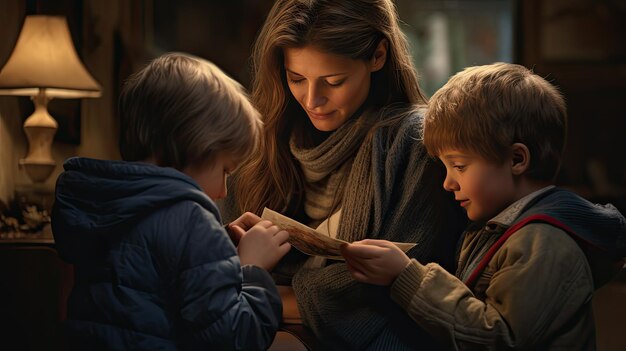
263 245
238 228
376 262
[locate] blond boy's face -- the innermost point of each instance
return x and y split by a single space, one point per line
483 188
211 176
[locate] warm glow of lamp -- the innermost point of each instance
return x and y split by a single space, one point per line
44 65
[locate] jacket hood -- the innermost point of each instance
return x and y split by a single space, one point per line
96 200
599 229
601 226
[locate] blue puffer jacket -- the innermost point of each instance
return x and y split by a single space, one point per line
155 269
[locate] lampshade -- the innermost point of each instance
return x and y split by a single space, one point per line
44 65
44 57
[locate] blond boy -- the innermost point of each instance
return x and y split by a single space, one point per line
532 257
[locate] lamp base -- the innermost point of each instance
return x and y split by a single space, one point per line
40 128
38 172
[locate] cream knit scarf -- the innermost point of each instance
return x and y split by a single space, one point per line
326 167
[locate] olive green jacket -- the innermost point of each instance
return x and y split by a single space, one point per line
535 291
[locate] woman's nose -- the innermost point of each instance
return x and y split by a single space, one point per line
314 97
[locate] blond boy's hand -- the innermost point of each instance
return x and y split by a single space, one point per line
238 228
376 262
263 245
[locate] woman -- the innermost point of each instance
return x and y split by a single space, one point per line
340 99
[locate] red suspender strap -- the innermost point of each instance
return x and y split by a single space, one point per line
514 228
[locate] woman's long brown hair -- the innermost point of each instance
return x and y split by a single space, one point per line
352 28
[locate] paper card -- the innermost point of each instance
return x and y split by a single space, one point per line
310 241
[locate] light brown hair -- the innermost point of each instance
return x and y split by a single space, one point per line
180 110
350 28
486 109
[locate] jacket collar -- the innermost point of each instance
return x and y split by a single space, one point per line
511 213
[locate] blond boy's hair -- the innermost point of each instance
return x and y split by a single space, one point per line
486 109
181 110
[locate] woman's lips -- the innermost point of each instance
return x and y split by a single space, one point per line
320 116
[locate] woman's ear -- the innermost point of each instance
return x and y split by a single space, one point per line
380 56
520 159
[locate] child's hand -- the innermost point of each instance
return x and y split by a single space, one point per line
237 228
376 262
263 245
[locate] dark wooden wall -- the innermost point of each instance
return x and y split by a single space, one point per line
581 47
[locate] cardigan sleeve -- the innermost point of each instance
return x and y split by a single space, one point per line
540 284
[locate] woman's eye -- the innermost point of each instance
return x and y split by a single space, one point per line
295 81
460 168
336 84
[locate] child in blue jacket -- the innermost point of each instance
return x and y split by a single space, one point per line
154 267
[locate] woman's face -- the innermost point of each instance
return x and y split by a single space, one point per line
330 88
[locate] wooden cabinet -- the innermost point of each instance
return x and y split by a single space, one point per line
35 284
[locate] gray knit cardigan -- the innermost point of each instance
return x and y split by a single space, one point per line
394 192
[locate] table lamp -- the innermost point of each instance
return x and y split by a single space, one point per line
44 65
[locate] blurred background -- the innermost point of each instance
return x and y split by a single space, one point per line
579 45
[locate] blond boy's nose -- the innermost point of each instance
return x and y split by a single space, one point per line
449 184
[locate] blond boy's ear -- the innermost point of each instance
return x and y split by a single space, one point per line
520 159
